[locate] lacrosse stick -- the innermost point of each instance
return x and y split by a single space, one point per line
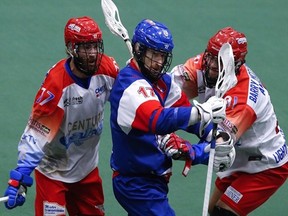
113 22
5 199
226 80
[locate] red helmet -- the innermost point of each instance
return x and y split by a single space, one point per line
81 30
237 40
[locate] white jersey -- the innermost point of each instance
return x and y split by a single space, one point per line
63 132
250 117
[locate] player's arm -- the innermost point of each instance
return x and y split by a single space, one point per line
41 128
140 108
238 121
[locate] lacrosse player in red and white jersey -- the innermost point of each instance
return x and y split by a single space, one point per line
62 137
260 166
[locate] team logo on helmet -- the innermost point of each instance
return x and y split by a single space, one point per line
74 27
242 40
96 36
165 32
166 46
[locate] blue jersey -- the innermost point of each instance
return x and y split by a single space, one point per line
140 111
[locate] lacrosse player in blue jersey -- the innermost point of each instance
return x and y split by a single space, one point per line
146 107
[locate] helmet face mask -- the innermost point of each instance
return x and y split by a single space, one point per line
152 48
153 64
238 42
88 57
210 65
83 39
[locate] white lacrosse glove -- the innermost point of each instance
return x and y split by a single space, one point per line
213 109
224 152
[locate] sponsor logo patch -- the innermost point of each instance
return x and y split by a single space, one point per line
53 209
42 129
99 91
233 194
73 101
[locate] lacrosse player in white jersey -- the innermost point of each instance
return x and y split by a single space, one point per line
260 166
62 136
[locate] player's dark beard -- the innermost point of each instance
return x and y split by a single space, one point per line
152 75
209 81
86 65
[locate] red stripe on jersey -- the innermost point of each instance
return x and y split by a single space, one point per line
183 101
144 113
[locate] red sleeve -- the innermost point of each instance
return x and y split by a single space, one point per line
239 114
46 115
108 66
242 117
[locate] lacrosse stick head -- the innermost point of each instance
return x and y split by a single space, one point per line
112 19
113 22
227 76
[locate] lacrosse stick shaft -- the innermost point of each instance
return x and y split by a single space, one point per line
226 80
129 45
209 173
4 199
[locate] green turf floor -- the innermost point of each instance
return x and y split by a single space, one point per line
31 40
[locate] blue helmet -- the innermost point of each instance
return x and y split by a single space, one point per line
155 36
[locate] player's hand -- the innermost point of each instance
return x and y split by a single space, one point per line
174 146
17 189
224 152
177 148
218 107
212 110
